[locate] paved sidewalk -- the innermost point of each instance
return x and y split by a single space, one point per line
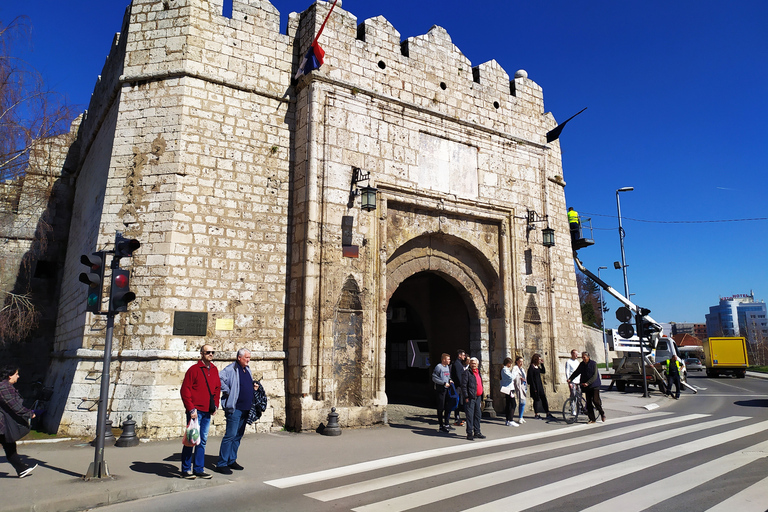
152 468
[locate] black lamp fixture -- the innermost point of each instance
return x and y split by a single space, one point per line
367 193
547 234
548 237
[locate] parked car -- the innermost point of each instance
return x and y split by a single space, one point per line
694 364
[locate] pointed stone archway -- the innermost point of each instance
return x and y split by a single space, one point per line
469 285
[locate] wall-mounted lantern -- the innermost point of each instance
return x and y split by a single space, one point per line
367 193
548 237
547 234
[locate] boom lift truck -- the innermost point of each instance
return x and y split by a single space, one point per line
629 369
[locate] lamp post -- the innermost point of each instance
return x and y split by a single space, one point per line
626 284
621 239
602 318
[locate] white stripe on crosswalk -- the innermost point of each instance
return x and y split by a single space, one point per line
473 484
751 499
735 395
355 469
448 467
649 495
553 491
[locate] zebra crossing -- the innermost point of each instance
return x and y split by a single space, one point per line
516 472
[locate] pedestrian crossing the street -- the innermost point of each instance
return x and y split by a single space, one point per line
546 470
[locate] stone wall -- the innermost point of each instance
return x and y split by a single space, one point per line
237 182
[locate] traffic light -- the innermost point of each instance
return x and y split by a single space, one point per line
124 247
646 328
120 294
94 279
624 315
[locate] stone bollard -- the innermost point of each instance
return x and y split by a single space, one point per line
109 437
489 411
128 437
332 428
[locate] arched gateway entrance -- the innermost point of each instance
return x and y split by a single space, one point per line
444 295
425 318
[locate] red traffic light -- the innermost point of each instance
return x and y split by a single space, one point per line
121 280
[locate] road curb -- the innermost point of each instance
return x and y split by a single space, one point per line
114 490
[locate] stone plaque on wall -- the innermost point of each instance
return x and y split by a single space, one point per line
447 166
190 323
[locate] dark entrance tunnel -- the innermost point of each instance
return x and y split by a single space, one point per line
428 314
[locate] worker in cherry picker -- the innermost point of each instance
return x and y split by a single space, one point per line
574 223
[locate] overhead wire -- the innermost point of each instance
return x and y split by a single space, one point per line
676 221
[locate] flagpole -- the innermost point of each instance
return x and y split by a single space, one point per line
324 22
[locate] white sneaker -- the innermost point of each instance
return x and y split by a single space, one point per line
514 424
522 420
27 471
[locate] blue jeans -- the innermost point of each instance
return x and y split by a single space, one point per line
522 410
236 421
204 418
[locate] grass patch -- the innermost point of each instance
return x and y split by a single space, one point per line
761 369
36 435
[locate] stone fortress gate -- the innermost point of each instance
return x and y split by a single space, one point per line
238 181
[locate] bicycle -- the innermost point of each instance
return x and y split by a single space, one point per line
571 414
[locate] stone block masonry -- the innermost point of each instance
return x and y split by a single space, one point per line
237 181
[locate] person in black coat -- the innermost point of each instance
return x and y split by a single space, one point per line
536 387
590 384
458 368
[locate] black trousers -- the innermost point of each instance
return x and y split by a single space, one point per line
673 378
593 402
12 455
509 407
544 404
443 410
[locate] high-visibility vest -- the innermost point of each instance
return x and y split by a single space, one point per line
573 217
677 363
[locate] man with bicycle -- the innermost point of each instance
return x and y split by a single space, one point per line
570 367
587 370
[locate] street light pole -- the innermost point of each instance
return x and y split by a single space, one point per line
602 318
621 239
626 285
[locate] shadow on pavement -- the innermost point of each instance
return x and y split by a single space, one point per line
762 402
155 468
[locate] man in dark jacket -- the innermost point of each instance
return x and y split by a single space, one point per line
458 368
472 395
590 384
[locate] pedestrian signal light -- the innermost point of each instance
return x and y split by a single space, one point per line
124 247
120 294
94 279
623 314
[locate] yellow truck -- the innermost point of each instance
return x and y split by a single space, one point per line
726 355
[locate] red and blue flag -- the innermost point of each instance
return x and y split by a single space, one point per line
312 60
314 56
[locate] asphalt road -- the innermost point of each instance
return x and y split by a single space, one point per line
707 451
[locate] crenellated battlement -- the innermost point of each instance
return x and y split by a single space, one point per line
174 38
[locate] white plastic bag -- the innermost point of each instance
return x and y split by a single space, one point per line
192 433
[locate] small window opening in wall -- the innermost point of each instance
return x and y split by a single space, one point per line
443 86
495 104
227 11
382 64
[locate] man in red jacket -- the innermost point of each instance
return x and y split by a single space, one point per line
200 393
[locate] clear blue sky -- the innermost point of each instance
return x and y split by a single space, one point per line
678 105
